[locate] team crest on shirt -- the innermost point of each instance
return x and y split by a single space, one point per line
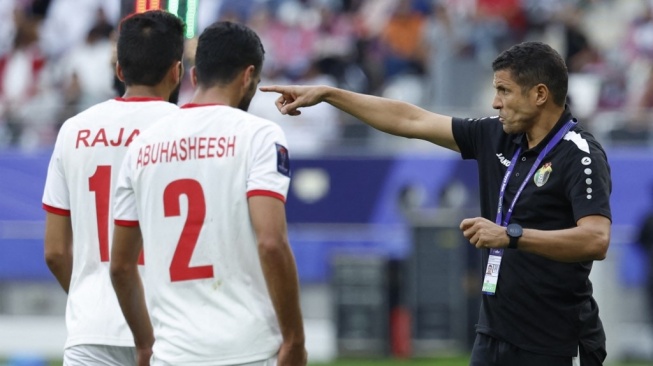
542 175
283 160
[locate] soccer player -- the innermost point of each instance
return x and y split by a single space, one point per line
82 176
202 192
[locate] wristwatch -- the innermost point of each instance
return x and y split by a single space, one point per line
514 232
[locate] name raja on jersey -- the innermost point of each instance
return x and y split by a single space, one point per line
100 138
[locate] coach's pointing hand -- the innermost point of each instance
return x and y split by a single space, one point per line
295 96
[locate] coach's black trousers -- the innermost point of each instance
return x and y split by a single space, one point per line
489 351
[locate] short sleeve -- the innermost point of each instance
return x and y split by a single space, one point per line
589 183
468 134
125 212
270 164
56 197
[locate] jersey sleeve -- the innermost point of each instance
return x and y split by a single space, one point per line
125 212
468 133
56 196
270 164
589 184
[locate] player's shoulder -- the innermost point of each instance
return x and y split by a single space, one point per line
110 109
153 108
92 115
257 123
262 122
267 130
162 124
248 120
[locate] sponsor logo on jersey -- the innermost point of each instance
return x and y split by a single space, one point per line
503 160
542 175
283 160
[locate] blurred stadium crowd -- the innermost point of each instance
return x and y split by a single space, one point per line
56 59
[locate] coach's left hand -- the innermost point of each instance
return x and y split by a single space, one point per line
483 233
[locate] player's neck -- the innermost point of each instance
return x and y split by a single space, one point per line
216 95
140 91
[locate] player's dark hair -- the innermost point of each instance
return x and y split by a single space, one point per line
149 44
224 49
532 63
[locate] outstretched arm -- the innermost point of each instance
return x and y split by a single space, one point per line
268 217
387 115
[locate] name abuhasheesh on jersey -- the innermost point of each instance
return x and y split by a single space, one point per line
186 148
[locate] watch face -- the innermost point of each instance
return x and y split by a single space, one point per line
514 230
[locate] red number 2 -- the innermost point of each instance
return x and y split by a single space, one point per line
180 269
100 184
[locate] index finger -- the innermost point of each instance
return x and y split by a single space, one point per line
272 88
467 223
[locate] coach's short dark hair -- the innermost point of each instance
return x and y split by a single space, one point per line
224 49
148 44
532 63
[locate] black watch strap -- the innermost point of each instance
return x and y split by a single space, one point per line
513 242
514 232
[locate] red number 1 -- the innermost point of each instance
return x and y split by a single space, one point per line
180 269
100 183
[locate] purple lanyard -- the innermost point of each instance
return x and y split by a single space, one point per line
554 141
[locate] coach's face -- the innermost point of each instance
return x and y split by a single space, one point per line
517 109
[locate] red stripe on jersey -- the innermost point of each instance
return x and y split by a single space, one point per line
126 223
195 105
139 99
56 211
261 192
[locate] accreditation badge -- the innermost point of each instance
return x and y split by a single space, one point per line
492 272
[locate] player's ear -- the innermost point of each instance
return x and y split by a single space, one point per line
193 76
248 75
176 71
119 72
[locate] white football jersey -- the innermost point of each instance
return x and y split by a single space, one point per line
186 182
81 178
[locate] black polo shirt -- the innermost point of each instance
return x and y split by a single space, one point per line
540 305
